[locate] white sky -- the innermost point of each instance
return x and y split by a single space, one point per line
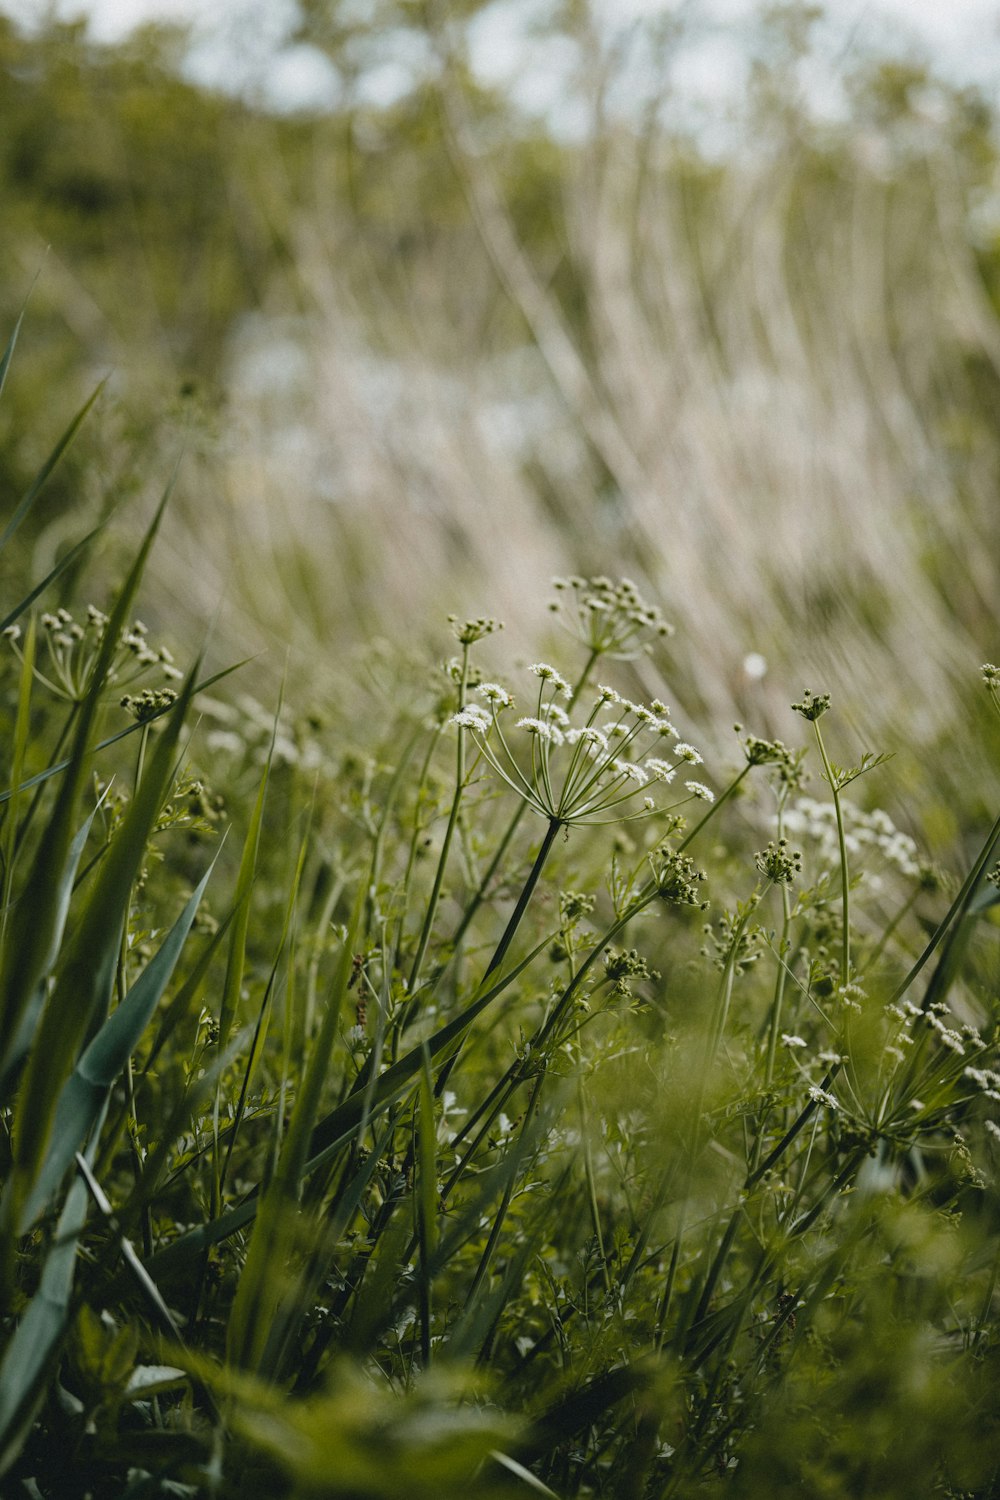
241 39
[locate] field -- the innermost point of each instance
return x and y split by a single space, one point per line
441 1056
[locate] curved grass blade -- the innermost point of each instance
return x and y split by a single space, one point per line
122 734
64 890
82 992
50 577
8 353
32 492
33 922
35 1343
100 1066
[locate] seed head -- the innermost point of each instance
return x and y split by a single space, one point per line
812 707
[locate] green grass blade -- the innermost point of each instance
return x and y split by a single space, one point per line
22 725
122 734
64 562
33 922
103 1062
8 353
64 891
35 1344
82 991
425 1199
33 490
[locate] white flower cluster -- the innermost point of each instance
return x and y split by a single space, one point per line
581 773
864 832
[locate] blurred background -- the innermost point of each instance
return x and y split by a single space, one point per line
439 299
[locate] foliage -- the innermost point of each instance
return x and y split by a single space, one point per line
453 1152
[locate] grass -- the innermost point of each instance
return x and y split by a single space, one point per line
498 1109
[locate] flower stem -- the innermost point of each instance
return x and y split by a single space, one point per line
456 802
845 884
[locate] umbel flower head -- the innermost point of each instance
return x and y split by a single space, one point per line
611 619
614 765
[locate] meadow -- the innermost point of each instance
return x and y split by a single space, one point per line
446 1057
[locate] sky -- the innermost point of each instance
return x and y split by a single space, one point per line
242 39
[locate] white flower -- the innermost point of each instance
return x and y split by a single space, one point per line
630 771
544 731
820 1096
473 717
698 790
549 674
687 752
494 693
660 770
793 1041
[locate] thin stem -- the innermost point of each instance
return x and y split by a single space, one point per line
724 797
845 884
526 893
435 895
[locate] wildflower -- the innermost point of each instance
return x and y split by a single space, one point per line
788 1040
991 676
699 790
776 864
812 707
543 730
472 717
630 771
549 674
688 753
820 1096
610 619
677 878
468 632
660 770
148 704
600 777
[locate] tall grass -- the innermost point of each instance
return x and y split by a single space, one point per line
756 385
539 1106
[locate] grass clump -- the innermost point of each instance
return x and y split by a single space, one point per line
526 1116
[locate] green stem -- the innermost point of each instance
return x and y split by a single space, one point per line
719 801
435 896
512 827
526 893
845 884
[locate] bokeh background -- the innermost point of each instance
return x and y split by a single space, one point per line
439 300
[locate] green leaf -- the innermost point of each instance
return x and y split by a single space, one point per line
34 1347
8 353
103 1062
32 492
80 997
64 562
63 894
122 734
33 922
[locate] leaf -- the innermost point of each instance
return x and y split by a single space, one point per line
122 734
8 353
87 1088
63 894
32 492
82 991
37 1339
64 562
33 922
